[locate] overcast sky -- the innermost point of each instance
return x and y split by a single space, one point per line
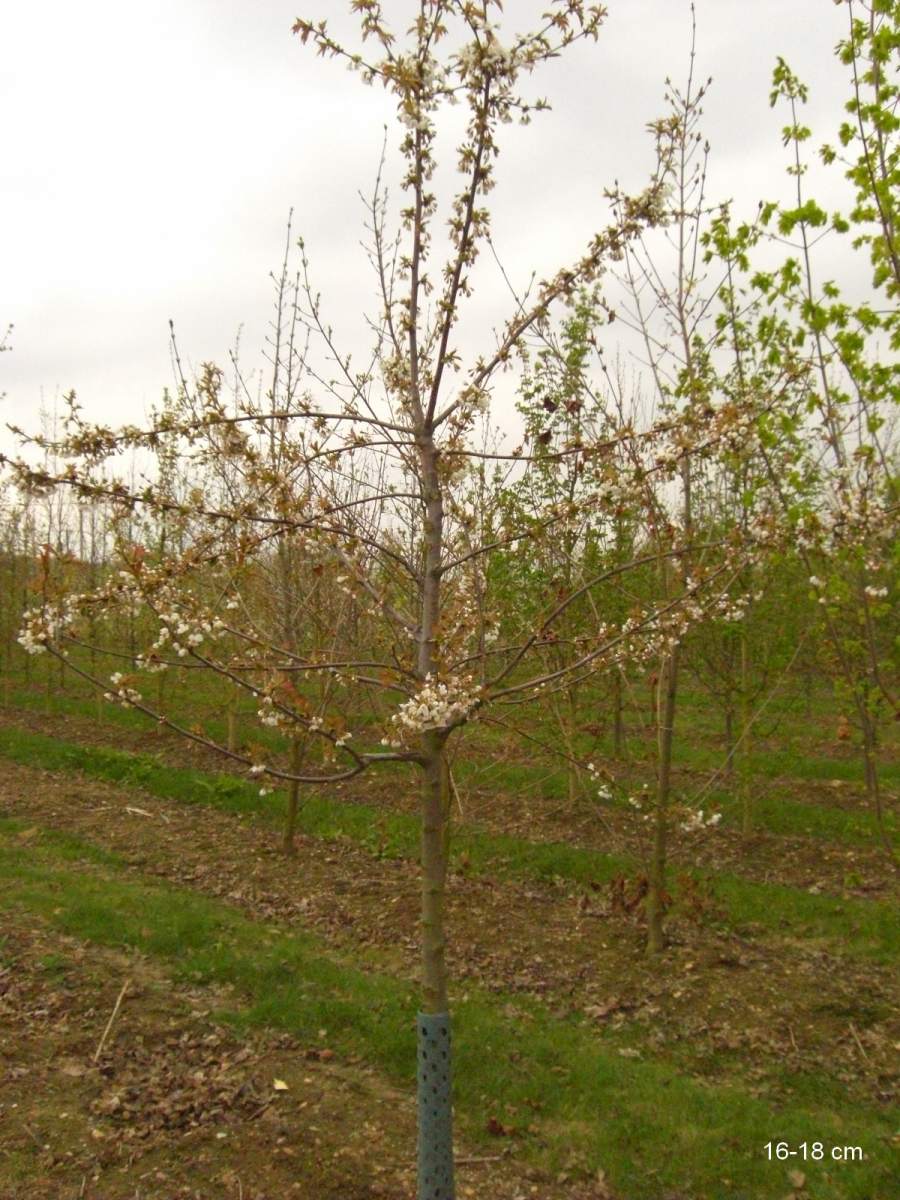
151 154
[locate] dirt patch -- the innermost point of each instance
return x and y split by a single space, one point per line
174 1106
806 862
717 1005
178 1107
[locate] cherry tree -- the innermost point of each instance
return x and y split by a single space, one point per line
365 474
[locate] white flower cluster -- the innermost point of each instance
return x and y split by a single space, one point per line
419 100
46 623
435 706
643 804
604 791
32 640
269 715
255 771
488 56
732 608
185 631
696 822
735 612
855 519
126 696
151 664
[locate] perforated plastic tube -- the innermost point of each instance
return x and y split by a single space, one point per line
435 1112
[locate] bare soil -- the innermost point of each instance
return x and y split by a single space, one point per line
179 1108
774 1001
806 862
175 1106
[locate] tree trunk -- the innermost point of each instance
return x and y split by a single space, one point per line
618 715
665 705
100 707
575 788
435 1124
730 747
565 718
873 787
7 661
160 699
232 720
746 735
28 657
290 823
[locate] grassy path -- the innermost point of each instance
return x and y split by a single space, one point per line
778 810
569 1101
862 928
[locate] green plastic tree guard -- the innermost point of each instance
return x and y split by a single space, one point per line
435 1111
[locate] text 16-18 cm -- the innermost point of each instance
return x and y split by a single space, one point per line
813 1152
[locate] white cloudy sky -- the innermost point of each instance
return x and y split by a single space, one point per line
151 154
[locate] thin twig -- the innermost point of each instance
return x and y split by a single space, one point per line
34 1137
858 1042
109 1023
142 812
455 790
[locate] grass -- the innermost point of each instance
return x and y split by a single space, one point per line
775 810
193 700
778 812
862 928
698 741
585 1103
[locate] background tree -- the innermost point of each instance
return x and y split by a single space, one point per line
407 406
829 455
371 477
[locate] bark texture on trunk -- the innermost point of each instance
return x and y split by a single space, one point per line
618 716
668 682
435 845
290 821
873 783
746 736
